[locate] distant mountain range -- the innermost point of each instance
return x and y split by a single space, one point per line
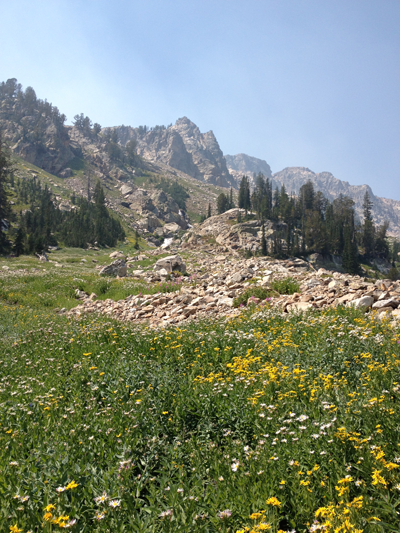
294 177
36 132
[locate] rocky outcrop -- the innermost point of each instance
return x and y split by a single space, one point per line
243 164
183 147
117 268
225 231
172 263
383 209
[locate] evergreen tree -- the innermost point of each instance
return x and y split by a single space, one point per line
381 244
209 211
231 202
350 253
263 241
244 194
222 203
368 229
136 245
19 246
5 211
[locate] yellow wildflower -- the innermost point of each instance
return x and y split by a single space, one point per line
273 501
49 507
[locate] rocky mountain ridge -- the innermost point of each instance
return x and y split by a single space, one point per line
183 147
37 133
294 177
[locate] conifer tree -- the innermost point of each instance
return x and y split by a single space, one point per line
368 228
350 254
244 194
18 246
5 211
263 241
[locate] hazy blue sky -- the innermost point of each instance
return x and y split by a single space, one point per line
312 83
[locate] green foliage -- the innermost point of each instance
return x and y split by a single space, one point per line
251 292
77 164
285 286
175 190
222 415
393 274
52 289
44 223
225 202
244 201
5 211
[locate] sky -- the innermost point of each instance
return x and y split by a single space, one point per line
295 82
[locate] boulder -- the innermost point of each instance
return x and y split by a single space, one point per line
391 302
300 306
172 227
170 264
335 284
361 303
80 294
225 300
115 255
117 268
126 189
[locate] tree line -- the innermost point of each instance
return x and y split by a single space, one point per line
313 224
42 223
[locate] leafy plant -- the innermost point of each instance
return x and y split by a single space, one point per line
285 286
251 292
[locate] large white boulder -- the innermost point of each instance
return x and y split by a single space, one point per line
170 264
365 302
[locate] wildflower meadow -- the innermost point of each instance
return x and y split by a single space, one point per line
264 422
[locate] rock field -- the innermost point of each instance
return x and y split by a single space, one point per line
213 280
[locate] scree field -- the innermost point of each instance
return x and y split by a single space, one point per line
265 422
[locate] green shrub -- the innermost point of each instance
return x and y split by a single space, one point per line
393 274
255 292
285 286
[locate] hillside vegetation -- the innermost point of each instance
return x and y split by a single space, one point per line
275 423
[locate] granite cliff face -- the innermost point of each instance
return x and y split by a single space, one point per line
183 147
243 164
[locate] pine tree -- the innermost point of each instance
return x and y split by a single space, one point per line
5 211
263 242
368 228
136 245
231 202
222 203
350 253
19 247
244 194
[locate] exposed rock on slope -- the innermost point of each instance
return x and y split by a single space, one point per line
221 278
184 147
231 235
294 177
243 164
